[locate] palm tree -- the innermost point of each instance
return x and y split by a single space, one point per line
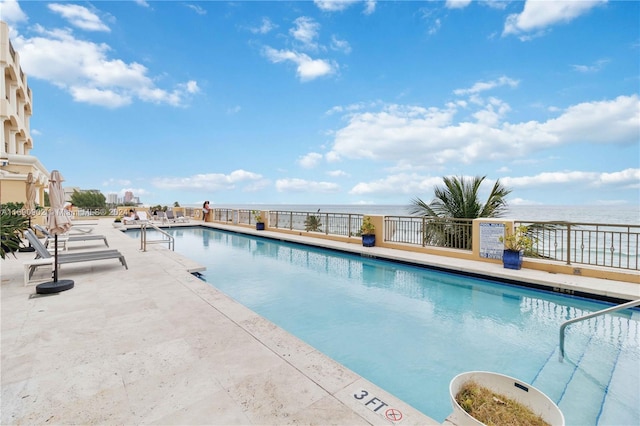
11 227
458 199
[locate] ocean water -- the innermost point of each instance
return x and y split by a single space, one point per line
620 214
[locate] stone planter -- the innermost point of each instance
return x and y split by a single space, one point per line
521 392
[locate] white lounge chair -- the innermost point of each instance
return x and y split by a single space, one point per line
84 256
180 217
70 238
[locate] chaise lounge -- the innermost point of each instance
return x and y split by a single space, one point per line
70 238
85 256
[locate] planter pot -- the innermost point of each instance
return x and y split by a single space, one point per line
260 226
511 388
512 259
117 224
369 240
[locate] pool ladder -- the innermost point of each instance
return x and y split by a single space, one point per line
167 238
564 325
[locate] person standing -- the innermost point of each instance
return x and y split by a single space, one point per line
205 211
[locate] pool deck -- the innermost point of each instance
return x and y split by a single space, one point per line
155 345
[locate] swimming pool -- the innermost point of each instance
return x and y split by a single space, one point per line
410 330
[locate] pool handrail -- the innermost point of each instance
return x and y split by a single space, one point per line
564 325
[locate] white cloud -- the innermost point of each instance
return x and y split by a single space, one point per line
340 45
197 9
415 136
307 68
84 69
338 173
483 86
11 12
334 5
457 4
301 185
310 160
265 27
79 16
597 66
369 7
538 15
628 178
211 181
306 32
402 183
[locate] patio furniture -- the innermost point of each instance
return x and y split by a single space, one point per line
70 238
84 256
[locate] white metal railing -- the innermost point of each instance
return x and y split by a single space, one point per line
614 246
344 224
166 237
564 325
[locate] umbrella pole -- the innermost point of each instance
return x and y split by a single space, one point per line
30 248
54 286
55 259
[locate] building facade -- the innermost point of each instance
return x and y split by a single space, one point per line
16 143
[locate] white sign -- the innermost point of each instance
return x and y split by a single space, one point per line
490 245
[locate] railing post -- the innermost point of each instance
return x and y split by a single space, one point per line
568 244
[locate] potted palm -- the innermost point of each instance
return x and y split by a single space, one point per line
13 226
312 223
516 243
368 232
257 216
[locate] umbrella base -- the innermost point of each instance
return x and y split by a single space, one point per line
54 286
24 249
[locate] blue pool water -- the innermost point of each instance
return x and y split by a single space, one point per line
410 330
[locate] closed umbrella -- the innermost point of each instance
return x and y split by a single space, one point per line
31 195
58 222
30 206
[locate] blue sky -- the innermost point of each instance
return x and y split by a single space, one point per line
335 102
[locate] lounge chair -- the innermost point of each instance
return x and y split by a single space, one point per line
142 218
170 216
85 256
180 217
70 238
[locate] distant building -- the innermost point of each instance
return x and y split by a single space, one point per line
128 197
15 138
112 198
68 192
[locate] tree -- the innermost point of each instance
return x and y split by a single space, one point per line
91 199
458 199
312 223
12 224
